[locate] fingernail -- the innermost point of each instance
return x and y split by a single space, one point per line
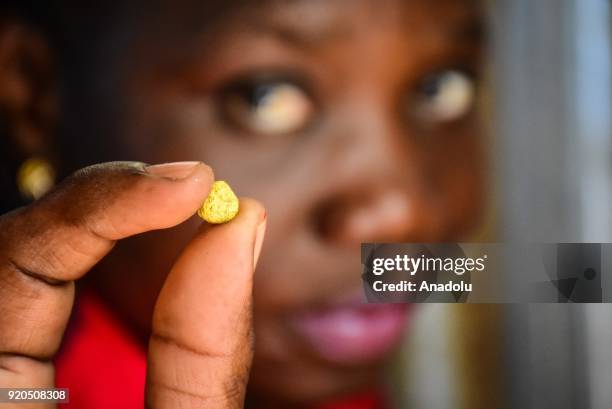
259 236
173 170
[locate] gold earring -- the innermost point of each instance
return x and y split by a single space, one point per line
35 177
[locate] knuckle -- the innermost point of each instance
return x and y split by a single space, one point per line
170 343
231 399
221 380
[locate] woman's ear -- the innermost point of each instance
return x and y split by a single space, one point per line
28 89
28 113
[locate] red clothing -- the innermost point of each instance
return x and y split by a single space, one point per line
104 366
101 363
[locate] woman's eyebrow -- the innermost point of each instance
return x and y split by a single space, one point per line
301 35
310 33
300 23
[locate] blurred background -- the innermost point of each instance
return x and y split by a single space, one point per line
548 110
552 155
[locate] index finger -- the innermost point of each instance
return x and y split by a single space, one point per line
45 246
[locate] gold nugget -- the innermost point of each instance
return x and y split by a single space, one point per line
221 205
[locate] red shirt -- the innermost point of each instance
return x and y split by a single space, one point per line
104 366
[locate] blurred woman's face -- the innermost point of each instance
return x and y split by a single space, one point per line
352 121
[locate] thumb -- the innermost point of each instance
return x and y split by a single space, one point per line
200 349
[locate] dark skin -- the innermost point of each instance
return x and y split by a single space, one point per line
366 164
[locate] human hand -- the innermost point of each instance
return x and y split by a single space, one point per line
200 348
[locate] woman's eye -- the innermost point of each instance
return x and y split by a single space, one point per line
269 108
444 97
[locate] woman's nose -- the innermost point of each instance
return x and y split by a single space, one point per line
379 188
386 216
379 215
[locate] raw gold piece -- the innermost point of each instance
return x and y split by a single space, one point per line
221 205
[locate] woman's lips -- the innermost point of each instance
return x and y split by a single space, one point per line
353 333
